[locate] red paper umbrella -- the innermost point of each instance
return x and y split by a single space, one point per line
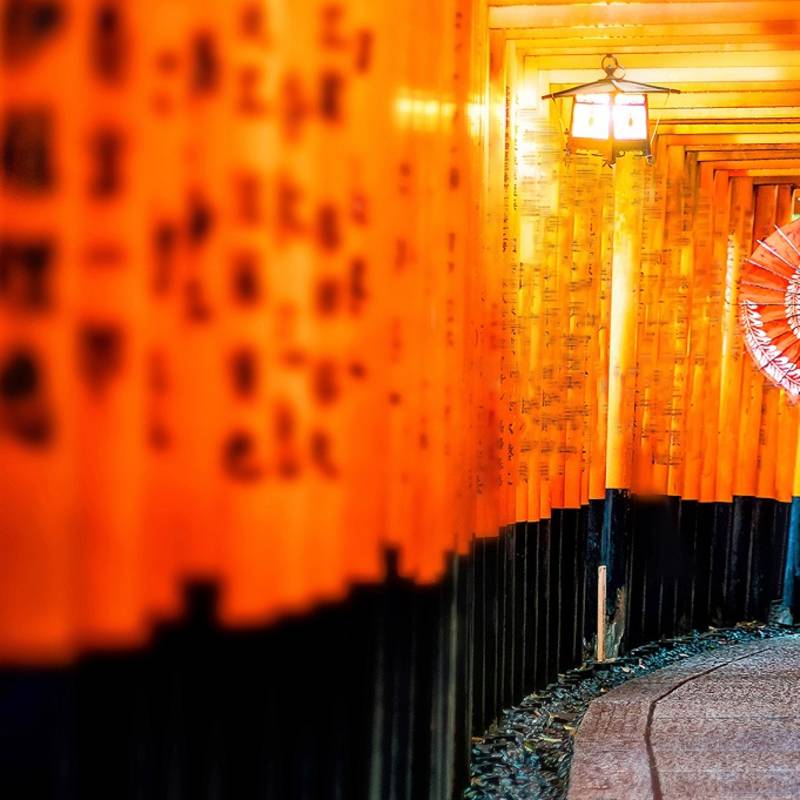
769 303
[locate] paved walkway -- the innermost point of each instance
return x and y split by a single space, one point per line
721 726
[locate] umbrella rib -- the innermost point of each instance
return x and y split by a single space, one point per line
787 240
766 268
776 254
760 286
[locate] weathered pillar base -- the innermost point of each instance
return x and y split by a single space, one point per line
614 545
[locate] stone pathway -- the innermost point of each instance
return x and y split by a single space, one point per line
721 726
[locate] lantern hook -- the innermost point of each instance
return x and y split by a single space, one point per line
611 66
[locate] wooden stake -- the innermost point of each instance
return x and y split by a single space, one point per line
601 612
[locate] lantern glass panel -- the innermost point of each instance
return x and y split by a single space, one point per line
630 117
591 116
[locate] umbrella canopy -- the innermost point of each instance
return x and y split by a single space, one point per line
769 302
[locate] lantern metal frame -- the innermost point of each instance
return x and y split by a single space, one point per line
614 85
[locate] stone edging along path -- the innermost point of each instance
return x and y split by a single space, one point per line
527 753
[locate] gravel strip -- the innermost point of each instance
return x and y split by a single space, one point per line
527 753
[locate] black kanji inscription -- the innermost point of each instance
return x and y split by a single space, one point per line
109 42
27 25
100 349
246 283
200 220
294 107
24 413
284 429
358 289
25 272
327 297
325 383
244 372
331 88
197 307
289 197
358 370
321 454
239 457
249 200
328 234
254 23
364 44
165 249
28 149
204 74
331 19
158 373
251 102
106 155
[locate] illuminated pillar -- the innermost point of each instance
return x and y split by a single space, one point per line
621 386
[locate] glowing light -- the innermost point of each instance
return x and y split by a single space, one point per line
630 122
609 116
591 117
476 116
425 112
528 98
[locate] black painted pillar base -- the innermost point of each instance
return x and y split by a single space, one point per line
614 554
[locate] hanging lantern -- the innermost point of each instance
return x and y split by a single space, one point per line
610 115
